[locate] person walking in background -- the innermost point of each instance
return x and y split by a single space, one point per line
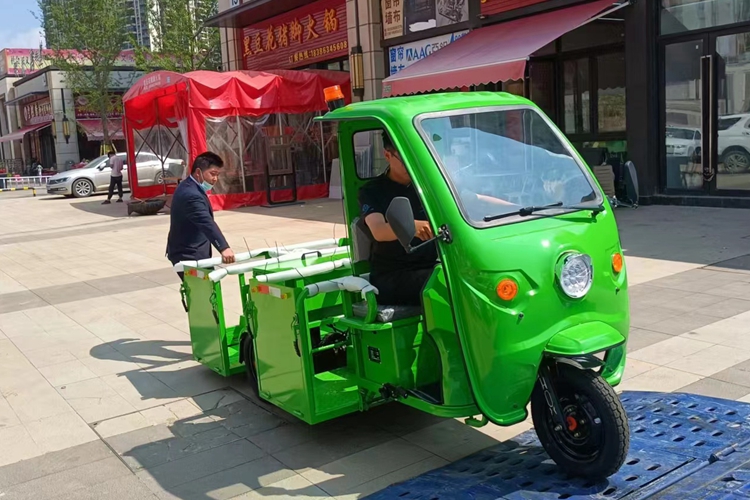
192 230
116 164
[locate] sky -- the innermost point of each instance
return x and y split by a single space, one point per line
19 29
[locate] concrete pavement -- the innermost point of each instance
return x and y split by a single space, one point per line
100 398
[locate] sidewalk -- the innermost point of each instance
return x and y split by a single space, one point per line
101 400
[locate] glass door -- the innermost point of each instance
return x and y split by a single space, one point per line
706 113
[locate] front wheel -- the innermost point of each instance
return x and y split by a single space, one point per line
594 441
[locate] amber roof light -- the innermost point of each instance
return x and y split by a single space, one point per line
333 93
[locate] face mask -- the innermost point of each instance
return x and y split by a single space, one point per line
206 186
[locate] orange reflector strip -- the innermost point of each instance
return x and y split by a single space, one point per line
617 262
263 289
507 289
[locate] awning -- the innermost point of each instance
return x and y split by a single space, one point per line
18 134
95 132
493 54
26 97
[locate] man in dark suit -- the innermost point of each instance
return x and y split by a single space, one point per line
192 230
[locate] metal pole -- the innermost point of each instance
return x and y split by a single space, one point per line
323 149
241 147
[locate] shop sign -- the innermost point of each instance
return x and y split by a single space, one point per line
403 56
37 112
492 7
420 15
23 62
304 36
84 111
393 18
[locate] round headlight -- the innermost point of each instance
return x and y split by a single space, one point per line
576 274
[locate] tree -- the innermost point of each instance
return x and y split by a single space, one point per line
84 41
180 40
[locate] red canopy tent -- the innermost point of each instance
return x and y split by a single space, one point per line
259 122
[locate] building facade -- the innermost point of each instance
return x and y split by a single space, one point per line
664 84
42 119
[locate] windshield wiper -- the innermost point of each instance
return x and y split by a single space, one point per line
527 211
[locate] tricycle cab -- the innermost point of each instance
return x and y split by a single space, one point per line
530 258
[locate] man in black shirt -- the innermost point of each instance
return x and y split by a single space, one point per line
398 276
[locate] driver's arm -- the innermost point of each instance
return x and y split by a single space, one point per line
379 228
493 200
372 209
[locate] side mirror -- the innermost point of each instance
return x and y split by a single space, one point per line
401 219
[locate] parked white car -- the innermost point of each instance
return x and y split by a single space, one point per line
734 142
94 177
683 141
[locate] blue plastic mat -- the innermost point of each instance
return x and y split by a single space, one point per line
682 447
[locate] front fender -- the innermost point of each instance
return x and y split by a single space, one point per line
586 338
591 338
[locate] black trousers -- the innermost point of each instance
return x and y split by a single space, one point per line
115 182
400 288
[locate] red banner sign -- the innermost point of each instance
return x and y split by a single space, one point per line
85 112
37 112
304 36
492 7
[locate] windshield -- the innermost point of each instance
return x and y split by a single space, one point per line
680 133
97 162
500 161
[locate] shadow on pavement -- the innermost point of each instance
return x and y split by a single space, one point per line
323 210
233 443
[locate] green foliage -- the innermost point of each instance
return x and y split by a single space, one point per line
180 40
85 39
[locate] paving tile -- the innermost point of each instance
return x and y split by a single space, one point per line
738 374
323 450
661 379
217 399
236 481
201 465
51 463
292 488
20 301
716 388
140 389
188 378
638 339
16 445
670 350
682 324
712 360
403 474
121 425
451 440
60 432
634 367
691 303
66 373
67 293
121 284
94 400
648 317
342 475
68 481
122 488
245 419
726 308
43 357
35 399
397 419
290 435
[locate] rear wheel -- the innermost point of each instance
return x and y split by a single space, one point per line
736 160
251 365
594 441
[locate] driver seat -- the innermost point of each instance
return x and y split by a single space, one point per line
362 242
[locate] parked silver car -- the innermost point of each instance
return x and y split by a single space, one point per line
94 177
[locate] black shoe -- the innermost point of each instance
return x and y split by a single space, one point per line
106 202
119 201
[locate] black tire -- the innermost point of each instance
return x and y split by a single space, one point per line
592 451
82 188
736 160
251 369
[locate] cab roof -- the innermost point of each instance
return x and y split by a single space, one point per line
410 106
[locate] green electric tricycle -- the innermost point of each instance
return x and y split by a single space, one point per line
528 303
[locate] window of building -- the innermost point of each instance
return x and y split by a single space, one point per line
678 16
576 96
610 70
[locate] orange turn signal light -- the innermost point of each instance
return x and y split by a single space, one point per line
617 262
507 289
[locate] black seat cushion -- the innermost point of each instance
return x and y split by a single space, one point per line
386 314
